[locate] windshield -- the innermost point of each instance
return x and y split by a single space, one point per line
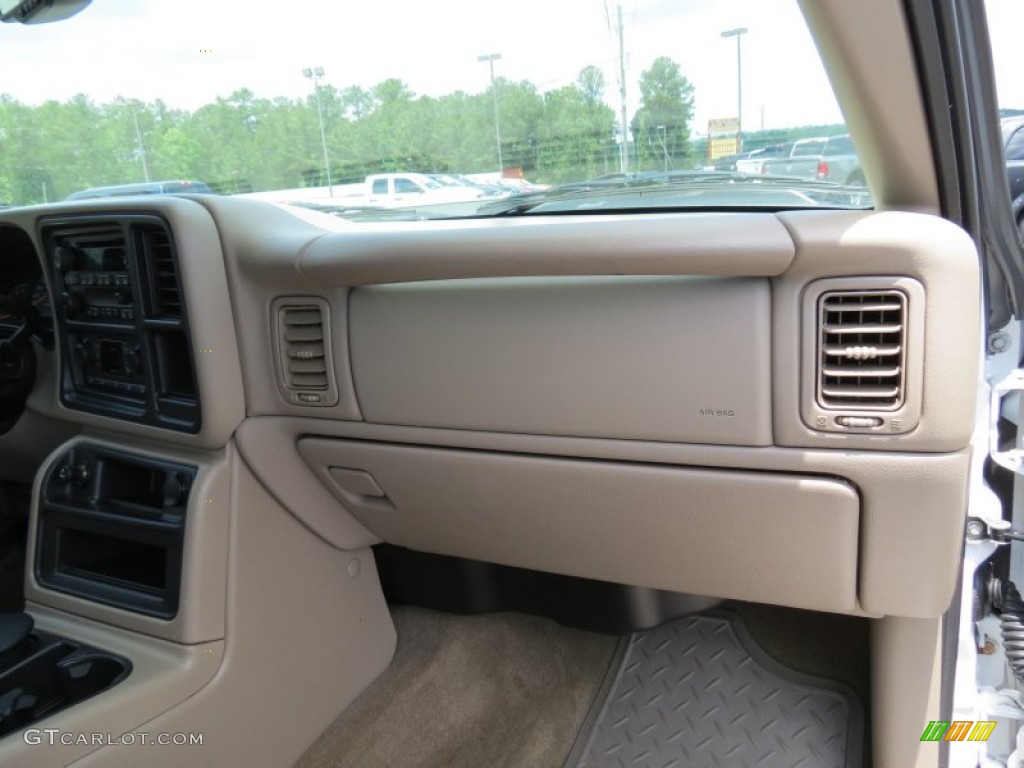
355 111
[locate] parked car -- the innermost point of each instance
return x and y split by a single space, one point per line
751 162
145 188
755 164
414 188
728 162
828 158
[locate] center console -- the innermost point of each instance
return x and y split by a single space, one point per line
111 528
42 673
109 531
126 349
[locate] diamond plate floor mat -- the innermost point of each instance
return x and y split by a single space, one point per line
700 693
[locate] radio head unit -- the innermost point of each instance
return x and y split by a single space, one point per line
124 338
95 280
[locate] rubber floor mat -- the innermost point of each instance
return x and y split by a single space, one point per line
700 693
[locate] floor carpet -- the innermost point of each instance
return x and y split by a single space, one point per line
506 689
491 690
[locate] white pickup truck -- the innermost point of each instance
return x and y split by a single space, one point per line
379 190
402 189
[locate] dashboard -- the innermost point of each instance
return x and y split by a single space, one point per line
500 390
116 315
689 401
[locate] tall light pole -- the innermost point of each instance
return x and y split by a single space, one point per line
490 58
664 146
624 147
316 74
141 147
738 33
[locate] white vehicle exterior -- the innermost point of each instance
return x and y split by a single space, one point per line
400 189
388 190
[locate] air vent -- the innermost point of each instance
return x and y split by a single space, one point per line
304 351
862 350
155 246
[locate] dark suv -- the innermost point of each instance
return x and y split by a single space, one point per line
146 188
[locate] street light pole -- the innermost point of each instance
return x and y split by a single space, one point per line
664 146
738 33
142 147
316 74
490 58
624 145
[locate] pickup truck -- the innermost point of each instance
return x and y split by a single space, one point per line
750 162
379 190
414 188
829 158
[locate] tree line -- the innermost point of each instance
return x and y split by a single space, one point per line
244 143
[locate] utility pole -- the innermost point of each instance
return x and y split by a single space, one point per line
623 152
315 75
490 58
142 147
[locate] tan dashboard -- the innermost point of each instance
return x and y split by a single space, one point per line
759 406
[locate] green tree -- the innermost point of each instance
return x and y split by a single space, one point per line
521 112
591 84
661 127
241 141
577 130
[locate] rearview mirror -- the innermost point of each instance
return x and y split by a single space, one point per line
39 11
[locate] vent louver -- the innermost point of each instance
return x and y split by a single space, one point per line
862 349
303 348
159 257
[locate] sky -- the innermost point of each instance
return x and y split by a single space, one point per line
188 52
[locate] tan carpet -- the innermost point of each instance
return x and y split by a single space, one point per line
470 692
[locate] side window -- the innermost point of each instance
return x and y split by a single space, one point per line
380 186
406 186
1005 18
1015 146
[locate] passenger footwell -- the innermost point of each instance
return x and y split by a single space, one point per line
700 692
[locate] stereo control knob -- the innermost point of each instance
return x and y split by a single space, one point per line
81 473
85 352
73 304
176 489
131 362
62 260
